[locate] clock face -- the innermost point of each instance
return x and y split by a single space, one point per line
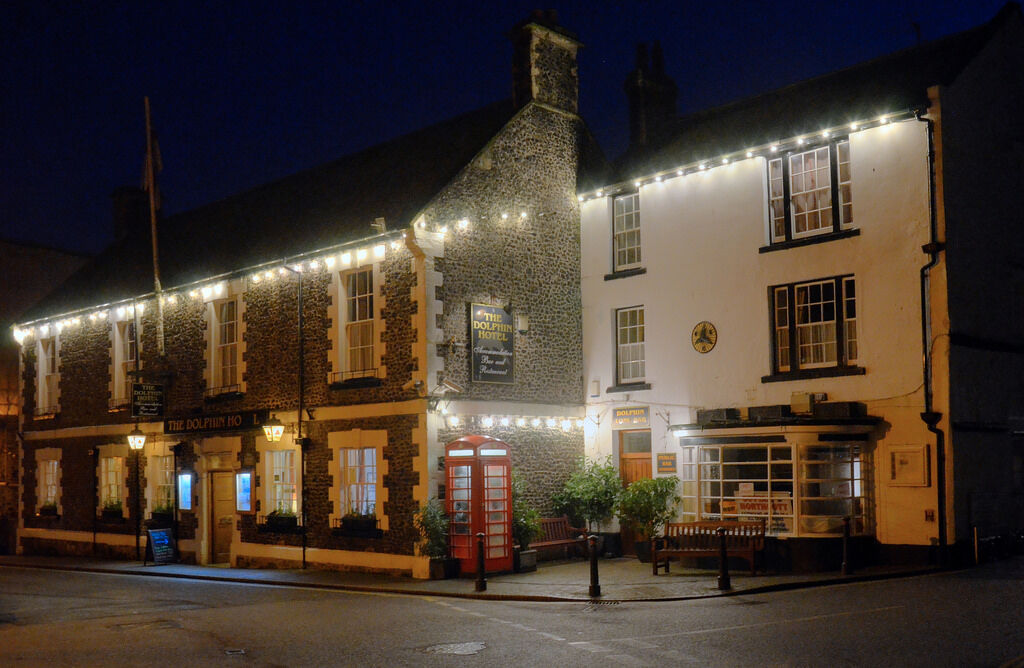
704 337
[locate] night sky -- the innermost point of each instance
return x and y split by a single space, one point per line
246 92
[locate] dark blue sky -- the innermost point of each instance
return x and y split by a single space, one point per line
246 92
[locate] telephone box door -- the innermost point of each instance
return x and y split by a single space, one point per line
479 500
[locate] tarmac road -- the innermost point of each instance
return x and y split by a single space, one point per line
52 618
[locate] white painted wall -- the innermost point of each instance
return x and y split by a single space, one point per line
701 234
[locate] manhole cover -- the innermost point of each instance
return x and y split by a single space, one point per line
455 648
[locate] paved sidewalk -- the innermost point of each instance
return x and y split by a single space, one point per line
623 579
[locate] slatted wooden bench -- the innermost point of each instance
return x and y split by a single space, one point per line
700 539
557 532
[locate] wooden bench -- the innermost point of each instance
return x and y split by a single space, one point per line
700 539
557 532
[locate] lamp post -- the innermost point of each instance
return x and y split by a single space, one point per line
136 441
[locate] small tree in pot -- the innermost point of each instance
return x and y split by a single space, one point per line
590 493
432 523
645 506
525 526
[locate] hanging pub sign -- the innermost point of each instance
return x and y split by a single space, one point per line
631 416
491 338
239 421
147 400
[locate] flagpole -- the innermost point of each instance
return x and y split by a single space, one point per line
151 187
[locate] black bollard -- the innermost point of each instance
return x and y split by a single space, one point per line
847 569
723 561
595 584
481 580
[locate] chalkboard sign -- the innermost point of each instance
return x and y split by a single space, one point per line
161 548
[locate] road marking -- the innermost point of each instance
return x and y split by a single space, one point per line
626 660
639 644
550 635
590 647
776 622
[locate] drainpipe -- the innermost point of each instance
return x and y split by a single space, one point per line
929 416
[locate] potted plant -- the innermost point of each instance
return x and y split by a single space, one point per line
162 516
432 524
590 494
282 520
645 506
525 527
48 510
111 510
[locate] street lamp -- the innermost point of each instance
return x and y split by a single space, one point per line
136 441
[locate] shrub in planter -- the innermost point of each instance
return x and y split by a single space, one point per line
282 520
359 522
525 518
48 510
112 510
162 516
432 523
645 506
590 493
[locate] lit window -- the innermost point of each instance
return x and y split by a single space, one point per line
48 376
126 356
629 338
48 489
111 483
359 481
359 323
185 491
814 324
282 490
243 491
809 192
226 362
626 232
163 497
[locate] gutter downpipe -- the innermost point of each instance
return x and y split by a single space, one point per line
929 416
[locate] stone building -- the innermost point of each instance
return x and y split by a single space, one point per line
401 256
21 285
842 336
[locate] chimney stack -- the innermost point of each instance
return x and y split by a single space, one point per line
131 211
544 62
652 97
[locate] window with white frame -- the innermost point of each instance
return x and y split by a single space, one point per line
810 192
163 486
48 486
359 481
282 496
358 355
626 232
629 345
814 324
48 375
126 356
112 484
225 362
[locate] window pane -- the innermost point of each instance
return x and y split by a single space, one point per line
626 231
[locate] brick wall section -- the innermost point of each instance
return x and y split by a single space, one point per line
543 456
400 479
531 265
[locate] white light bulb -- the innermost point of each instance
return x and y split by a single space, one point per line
172 299
657 179
800 141
346 259
522 215
775 148
750 154
535 422
361 254
637 184
504 422
550 422
379 250
487 422
329 261
314 265
463 224
255 278
679 172
521 422
207 292
599 194
453 421
579 198
725 161
825 134
504 216
443 230
703 166
853 126
566 425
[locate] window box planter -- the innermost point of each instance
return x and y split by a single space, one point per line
111 515
358 526
48 511
277 523
161 520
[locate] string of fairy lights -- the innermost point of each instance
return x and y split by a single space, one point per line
491 421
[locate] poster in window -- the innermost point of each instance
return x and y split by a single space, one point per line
492 343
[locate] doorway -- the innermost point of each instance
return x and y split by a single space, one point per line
634 464
222 521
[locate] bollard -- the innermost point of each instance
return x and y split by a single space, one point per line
723 561
846 568
595 584
481 581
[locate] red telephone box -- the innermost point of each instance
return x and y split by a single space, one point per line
479 500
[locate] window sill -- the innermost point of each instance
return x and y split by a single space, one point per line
628 387
229 395
805 374
625 273
810 241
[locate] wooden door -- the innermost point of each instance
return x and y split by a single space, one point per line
634 464
222 522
